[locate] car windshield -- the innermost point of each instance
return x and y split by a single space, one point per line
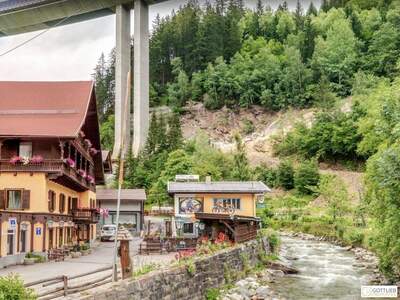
108 228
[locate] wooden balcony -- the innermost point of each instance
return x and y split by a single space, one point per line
57 170
85 215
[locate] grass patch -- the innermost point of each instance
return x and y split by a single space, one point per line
145 269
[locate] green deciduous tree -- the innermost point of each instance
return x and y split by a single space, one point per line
336 56
306 177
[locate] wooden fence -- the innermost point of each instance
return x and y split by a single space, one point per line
61 286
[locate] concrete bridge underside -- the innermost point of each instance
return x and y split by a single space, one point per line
20 16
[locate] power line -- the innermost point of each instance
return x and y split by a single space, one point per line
36 36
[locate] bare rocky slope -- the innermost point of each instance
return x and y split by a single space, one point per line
258 128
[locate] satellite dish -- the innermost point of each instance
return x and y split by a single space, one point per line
260 198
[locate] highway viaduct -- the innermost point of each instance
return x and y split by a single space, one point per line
20 16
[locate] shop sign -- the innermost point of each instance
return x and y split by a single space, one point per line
61 223
38 231
50 223
24 226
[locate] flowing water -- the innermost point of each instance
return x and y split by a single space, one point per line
326 272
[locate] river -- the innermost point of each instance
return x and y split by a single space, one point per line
326 271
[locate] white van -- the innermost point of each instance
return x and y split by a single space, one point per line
108 232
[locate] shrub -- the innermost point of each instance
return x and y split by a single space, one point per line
355 238
191 267
267 175
285 175
248 126
212 294
12 288
306 177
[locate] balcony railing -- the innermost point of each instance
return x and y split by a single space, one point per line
50 166
85 215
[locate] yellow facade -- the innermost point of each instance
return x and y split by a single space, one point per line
39 186
247 203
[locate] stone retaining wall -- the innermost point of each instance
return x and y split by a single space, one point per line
177 283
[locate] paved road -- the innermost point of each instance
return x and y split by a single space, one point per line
101 257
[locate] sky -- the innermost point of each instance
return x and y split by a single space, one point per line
71 52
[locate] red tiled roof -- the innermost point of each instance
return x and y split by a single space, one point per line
56 109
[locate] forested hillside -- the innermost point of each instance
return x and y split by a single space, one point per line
225 55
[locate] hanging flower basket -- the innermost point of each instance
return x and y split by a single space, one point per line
93 151
88 143
82 173
104 212
90 179
70 162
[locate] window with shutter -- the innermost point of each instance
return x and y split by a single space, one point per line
52 200
62 203
2 199
26 199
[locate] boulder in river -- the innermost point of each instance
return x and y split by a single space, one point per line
284 268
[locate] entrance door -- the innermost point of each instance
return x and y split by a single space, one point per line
23 240
60 237
10 242
51 238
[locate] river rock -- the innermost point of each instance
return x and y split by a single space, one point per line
263 292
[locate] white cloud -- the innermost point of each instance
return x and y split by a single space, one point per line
70 52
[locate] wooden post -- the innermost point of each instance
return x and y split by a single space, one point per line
65 281
126 264
148 227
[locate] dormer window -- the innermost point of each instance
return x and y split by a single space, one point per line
25 149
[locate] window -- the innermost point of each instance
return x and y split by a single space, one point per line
25 149
52 200
62 203
69 205
188 228
14 199
227 202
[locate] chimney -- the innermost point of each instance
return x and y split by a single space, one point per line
208 179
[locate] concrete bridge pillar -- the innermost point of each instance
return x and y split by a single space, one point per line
141 76
122 67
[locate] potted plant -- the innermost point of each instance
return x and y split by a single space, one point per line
85 249
29 259
75 253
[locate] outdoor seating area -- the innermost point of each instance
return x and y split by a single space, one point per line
151 245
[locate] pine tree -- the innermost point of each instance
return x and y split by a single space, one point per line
308 46
174 135
153 136
299 17
241 168
233 39
312 10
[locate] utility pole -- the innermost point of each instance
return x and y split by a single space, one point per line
120 179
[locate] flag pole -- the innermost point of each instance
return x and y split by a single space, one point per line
121 175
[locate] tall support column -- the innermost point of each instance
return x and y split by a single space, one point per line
141 76
122 67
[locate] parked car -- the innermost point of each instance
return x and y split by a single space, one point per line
108 233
